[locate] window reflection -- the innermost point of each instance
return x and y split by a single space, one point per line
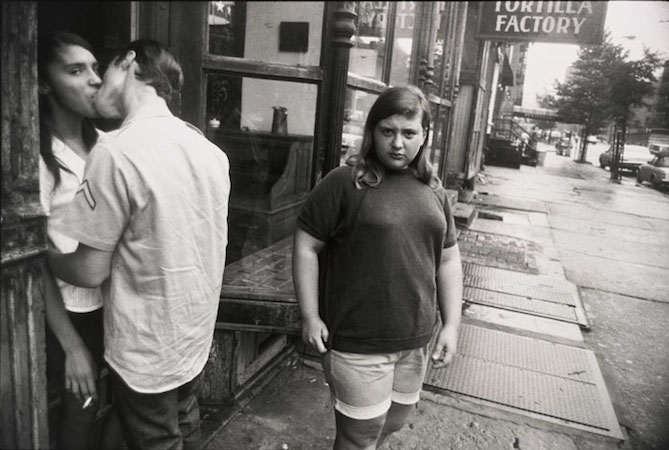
402 43
226 28
358 104
270 171
260 38
435 136
369 41
439 55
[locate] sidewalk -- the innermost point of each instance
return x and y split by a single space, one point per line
512 236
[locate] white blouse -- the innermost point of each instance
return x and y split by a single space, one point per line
55 201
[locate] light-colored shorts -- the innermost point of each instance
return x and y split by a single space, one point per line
363 386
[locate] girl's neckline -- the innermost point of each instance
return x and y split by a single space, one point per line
402 172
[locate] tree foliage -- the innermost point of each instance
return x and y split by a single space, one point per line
662 104
603 86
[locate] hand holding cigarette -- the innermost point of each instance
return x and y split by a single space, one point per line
88 402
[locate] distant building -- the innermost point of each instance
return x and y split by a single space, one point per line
512 78
518 62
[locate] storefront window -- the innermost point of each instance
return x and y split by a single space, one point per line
403 42
226 28
437 117
439 47
358 104
275 32
266 128
368 54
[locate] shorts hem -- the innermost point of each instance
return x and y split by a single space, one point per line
405 399
363 412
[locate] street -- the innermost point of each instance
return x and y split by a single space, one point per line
613 243
563 221
592 157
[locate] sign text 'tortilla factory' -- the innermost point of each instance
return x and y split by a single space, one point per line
543 21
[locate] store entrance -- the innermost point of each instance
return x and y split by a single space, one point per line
106 25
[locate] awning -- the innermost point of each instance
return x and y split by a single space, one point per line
536 113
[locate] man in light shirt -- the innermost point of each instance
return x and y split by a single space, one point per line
151 221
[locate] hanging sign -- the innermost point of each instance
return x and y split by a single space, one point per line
569 22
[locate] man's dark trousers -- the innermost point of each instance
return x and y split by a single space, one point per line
167 420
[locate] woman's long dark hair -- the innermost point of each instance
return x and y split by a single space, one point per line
47 52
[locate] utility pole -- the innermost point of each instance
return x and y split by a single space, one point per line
618 150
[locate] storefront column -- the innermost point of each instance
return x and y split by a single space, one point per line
343 29
23 396
429 24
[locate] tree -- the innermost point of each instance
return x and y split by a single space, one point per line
632 81
661 116
604 86
584 97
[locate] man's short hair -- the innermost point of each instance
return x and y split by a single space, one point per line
158 67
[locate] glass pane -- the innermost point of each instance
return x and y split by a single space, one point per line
226 28
434 142
439 45
358 104
439 150
404 29
266 128
369 41
276 32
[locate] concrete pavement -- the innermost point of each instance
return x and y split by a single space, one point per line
563 220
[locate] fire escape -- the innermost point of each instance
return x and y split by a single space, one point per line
510 145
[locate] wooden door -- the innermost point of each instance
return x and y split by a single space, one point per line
23 417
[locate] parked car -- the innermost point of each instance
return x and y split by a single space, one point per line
656 149
592 139
554 134
655 172
633 157
563 146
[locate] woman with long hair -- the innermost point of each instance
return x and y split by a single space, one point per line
369 302
68 82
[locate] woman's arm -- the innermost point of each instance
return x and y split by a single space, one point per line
86 267
80 369
449 296
305 278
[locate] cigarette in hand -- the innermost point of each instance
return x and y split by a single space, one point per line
88 402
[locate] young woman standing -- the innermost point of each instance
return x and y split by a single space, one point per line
392 262
68 83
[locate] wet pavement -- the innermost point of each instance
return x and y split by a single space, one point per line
564 220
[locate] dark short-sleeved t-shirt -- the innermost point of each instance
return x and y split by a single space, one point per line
384 244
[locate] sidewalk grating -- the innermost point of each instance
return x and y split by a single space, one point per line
480 271
525 290
539 295
529 376
527 305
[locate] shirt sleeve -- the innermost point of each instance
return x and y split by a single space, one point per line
100 210
450 237
321 212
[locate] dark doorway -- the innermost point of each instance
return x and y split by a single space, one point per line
106 25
